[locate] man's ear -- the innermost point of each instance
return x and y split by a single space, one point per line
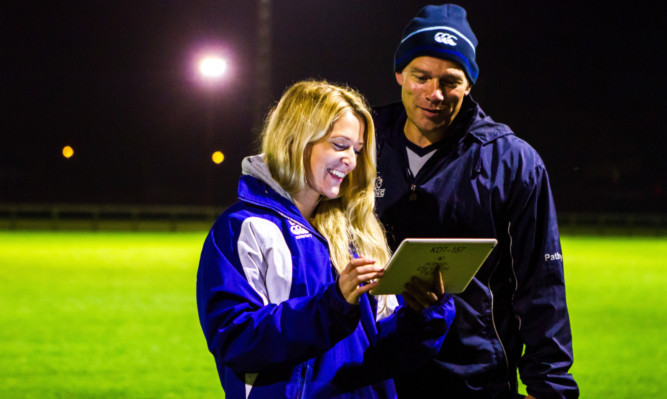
468 89
399 78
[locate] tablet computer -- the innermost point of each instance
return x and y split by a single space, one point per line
458 259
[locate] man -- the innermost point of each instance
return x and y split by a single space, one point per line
446 169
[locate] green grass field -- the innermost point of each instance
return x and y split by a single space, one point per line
110 315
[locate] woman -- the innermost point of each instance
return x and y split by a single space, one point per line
282 296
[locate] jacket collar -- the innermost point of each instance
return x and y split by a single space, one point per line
473 121
255 166
258 187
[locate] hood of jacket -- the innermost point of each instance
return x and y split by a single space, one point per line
258 187
255 166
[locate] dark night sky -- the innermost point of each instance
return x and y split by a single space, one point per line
583 82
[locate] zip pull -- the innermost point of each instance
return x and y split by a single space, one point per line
413 194
408 174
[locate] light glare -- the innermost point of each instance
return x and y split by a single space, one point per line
212 67
218 157
68 152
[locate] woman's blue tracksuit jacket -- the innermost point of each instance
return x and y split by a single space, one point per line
275 320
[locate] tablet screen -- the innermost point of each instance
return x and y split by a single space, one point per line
458 260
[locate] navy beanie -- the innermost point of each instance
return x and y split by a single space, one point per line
441 32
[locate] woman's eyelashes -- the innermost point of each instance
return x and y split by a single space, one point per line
345 147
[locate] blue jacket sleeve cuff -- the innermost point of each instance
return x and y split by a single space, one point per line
343 310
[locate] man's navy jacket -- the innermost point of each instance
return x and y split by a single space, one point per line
483 181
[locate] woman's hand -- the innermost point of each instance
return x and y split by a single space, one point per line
359 277
419 296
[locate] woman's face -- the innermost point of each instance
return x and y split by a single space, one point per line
332 158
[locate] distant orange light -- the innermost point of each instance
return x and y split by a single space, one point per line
218 157
68 151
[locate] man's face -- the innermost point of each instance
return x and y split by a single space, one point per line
432 90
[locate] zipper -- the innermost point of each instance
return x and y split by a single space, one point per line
303 379
493 323
493 319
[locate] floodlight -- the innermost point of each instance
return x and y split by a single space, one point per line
212 67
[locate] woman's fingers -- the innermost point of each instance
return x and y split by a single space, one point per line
357 278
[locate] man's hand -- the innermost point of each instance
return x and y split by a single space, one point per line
419 296
359 276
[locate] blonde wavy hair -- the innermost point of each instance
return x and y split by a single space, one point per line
304 116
